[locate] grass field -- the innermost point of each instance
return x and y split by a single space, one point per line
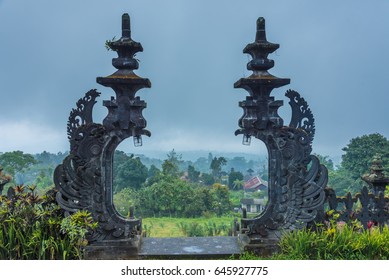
180 227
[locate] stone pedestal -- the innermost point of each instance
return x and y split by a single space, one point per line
260 246
113 250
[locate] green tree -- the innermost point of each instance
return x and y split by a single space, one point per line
193 174
355 162
216 166
124 200
171 165
233 177
169 196
360 151
207 179
43 182
237 184
221 199
342 182
153 171
16 161
131 173
201 202
169 168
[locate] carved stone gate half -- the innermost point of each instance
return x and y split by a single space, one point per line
296 178
84 179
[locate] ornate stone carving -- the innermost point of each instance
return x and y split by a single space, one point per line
84 179
372 208
296 178
302 116
376 179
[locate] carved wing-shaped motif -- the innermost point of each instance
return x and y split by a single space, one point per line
306 195
82 114
302 116
79 178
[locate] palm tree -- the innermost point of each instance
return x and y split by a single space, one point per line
237 184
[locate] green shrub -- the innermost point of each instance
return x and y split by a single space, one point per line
33 227
336 242
192 229
210 228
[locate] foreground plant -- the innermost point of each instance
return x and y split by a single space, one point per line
336 242
34 227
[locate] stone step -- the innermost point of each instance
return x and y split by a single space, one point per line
190 247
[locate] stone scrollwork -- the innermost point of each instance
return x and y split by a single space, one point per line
302 116
82 115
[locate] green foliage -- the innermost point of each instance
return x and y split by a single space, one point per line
235 197
361 150
193 174
336 242
49 159
172 197
154 175
169 168
167 197
44 181
33 227
147 229
153 171
173 227
207 179
191 230
130 172
216 166
171 165
195 229
221 199
125 199
246 256
235 179
342 182
356 162
108 43
16 161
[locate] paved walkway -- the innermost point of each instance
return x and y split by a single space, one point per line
190 246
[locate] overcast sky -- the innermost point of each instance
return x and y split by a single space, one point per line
335 52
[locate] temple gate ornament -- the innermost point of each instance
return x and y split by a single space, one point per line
84 179
369 206
296 178
376 179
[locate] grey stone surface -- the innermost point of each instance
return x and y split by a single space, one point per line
190 246
113 250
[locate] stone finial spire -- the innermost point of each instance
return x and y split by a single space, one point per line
260 64
261 31
126 49
376 179
125 111
126 26
260 109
